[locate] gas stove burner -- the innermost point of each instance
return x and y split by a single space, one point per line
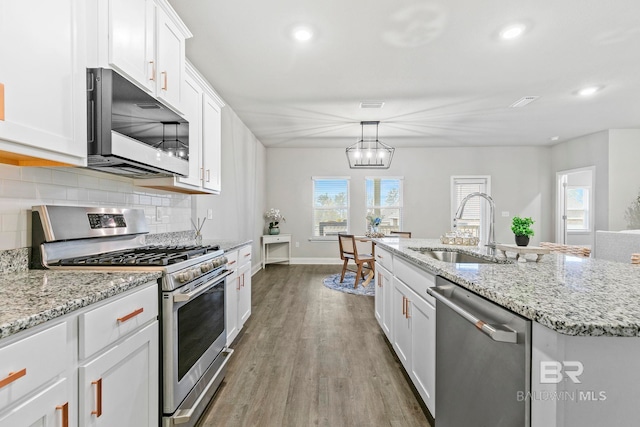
155 255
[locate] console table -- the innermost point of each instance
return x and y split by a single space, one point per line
276 240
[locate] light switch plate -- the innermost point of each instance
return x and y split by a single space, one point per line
158 214
209 213
505 214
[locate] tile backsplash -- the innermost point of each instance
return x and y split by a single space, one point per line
24 187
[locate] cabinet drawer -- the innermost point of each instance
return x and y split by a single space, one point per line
232 260
107 324
276 239
415 278
384 258
244 254
29 363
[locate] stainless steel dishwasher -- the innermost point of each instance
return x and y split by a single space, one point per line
483 361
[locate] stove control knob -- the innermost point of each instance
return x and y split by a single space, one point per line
204 267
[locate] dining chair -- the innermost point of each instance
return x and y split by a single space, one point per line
567 249
349 251
403 234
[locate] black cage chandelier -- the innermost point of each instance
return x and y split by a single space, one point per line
369 153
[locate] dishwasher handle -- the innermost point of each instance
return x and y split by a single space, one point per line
500 333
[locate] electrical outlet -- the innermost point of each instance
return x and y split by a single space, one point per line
297 244
158 213
505 214
209 213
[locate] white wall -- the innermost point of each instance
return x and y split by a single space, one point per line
237 211
624 175
520 183
24 187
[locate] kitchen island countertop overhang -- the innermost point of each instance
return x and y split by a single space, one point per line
570 295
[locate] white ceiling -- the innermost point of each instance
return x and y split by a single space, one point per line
446 77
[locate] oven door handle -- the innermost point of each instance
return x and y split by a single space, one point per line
199 290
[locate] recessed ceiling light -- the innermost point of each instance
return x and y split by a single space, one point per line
554 138
372 104
523 101
302 34
588 91
512 32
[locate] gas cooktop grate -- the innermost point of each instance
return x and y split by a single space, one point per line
146 255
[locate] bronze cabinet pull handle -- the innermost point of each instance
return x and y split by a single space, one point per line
130 315
65 414
164 80
98 410
12 377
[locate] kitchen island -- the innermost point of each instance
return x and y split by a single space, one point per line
583 310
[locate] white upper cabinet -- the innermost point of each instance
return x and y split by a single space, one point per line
42 83
145 41
202 109
170 56
211 144
130 40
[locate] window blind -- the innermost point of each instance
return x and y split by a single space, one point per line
330 206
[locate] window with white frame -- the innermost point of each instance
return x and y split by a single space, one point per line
384 201
578 208
330 206
475 218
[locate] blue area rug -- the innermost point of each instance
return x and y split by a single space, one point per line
333 282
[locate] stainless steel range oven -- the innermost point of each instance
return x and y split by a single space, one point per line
193 339
192 317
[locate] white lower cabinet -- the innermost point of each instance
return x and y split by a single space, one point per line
231 301
46 381
423 349
412 317
401 323
383 300
48 408
120 386
238 291
244 296
33 387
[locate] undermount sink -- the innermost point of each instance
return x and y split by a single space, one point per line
455 257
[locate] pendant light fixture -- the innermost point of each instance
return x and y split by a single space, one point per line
173 146
369 153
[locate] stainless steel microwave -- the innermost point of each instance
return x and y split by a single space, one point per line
131 133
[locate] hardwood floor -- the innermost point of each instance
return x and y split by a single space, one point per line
311 356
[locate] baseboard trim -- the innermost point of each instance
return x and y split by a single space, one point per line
332 260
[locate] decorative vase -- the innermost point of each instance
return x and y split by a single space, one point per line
198 238
522 240
274 230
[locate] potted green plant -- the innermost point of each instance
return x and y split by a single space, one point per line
521 227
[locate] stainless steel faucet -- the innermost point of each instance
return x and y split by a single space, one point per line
491 237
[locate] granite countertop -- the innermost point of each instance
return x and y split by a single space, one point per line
229 245
571 295
32 297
